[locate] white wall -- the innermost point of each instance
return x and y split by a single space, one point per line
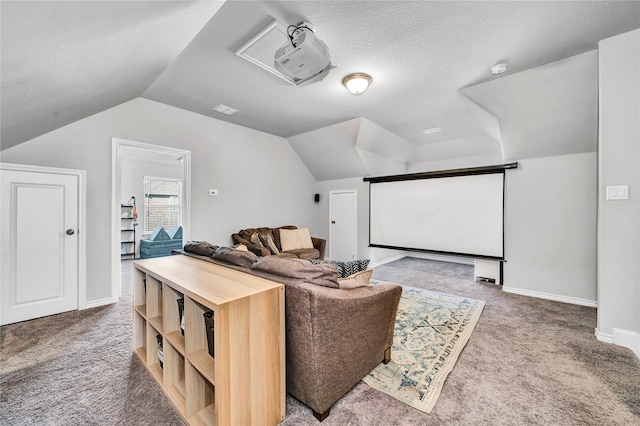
455 163
619 164
261 180
550 228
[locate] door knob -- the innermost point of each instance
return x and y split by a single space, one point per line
70 232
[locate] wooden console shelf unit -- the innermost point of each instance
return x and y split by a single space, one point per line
244 383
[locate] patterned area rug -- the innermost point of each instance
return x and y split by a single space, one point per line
431 330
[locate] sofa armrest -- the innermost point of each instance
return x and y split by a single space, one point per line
335 337
320 245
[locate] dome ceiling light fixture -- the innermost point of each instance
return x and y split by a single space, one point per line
357 82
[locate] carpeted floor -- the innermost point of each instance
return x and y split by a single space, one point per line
529 361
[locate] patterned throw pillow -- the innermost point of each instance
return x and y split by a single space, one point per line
346 269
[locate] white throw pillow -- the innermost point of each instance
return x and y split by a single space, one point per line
292 239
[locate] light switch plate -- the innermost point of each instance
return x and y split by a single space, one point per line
213 192
617 192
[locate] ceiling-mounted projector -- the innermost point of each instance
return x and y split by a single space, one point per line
304 57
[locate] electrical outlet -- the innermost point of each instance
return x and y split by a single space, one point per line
213 192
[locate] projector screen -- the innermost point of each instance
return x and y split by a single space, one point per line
459 215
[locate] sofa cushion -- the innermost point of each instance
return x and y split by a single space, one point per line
287 255
322 275
247 233
345 269
235 257
291 239
304 253
359 279
202 248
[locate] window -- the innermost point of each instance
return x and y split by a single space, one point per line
162 203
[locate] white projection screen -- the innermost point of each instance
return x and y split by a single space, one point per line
460 215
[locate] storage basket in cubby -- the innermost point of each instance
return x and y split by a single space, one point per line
208 322
181 314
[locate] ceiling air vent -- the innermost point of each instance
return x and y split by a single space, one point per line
224 109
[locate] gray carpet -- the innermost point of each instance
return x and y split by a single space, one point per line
529 361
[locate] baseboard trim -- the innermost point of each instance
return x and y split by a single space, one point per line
626 338
603 337
99 302
388 260
549 296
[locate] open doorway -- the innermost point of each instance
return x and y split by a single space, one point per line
136 167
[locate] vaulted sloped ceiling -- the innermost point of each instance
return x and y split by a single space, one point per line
66 60
545 111
353 148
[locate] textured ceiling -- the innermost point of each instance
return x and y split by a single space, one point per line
62 61
419 54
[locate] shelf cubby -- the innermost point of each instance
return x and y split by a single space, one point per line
138 289
153 363
172 319
154 302
174 377
201 397
140 336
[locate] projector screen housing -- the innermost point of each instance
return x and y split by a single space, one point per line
457 212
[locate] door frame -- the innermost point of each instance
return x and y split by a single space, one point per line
355 218
116 170
81 176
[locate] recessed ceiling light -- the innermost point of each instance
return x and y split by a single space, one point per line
431 130
224 109
498 69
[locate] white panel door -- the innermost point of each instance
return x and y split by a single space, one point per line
343 225
39 222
